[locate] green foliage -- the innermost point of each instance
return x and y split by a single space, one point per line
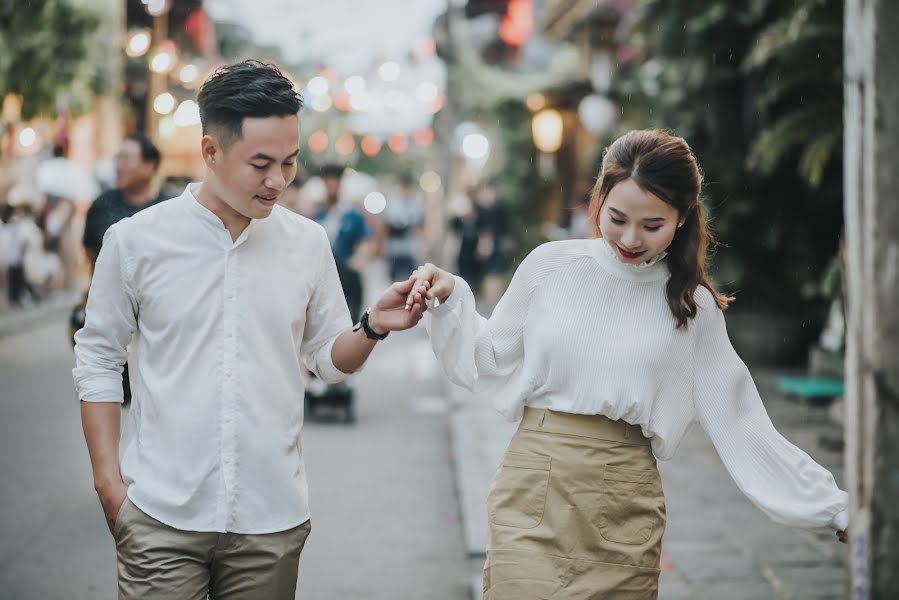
517 181
755 86
806 40
43 52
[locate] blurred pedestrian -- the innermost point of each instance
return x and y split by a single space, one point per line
467 228
136 166
404 217
24 245
226 291
607 350
348 233
492 225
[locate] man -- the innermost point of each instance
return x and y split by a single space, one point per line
348 233
404 217
136 165
227 292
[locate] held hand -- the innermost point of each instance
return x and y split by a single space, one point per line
440 282
111 499
392 313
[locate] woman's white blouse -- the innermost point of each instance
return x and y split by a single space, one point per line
582 332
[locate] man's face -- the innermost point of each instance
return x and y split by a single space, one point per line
131 170
252 171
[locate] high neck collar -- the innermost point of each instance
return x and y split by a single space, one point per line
652 270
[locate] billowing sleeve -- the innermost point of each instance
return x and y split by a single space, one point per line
482 354
110 319
327 316
779 478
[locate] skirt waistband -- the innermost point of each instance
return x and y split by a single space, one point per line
592 426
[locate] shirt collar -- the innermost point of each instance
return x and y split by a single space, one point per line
650 270
189 197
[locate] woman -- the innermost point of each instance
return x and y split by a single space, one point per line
607 350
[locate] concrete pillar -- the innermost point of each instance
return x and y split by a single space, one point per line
871 155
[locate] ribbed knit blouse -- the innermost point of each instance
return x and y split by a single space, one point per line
580 331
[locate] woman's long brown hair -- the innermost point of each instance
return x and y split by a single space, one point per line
664 165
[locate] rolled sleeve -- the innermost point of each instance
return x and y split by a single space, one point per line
327 316
101 345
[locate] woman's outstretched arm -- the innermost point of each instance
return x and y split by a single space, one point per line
782 480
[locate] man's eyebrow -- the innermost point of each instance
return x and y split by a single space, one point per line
263 156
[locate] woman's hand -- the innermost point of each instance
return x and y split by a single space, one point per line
843 536
439 284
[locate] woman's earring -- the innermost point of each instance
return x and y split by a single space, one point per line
679 225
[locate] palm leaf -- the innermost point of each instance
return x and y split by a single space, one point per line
816 155
800 127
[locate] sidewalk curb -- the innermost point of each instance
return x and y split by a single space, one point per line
479 436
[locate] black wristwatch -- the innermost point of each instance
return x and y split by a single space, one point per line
369 332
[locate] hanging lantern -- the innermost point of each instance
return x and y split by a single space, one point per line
398 143
424 137
546 127
597 113
370 145
317 142
345 144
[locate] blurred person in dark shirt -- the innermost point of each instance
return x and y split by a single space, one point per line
492 224
348 233
467 228
136 165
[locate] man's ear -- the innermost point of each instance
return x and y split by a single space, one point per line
210 150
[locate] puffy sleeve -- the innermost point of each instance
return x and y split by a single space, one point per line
779 478
482 354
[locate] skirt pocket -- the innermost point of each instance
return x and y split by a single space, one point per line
518 495
631 505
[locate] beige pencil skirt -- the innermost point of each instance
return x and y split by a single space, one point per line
575 511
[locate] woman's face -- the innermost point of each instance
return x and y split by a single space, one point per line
637 224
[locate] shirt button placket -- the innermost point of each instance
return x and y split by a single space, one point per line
230 383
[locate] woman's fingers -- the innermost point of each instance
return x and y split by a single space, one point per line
422 282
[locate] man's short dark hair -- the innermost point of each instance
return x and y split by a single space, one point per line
148 150
248 89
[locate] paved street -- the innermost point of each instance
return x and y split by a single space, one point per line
385 519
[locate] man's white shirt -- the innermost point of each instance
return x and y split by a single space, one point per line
222 326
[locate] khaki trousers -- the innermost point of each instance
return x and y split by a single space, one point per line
158 561
576 511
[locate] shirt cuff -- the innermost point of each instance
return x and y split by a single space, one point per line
101 388
324 364
453 301
841 520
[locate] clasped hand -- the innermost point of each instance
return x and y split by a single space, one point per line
404 303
